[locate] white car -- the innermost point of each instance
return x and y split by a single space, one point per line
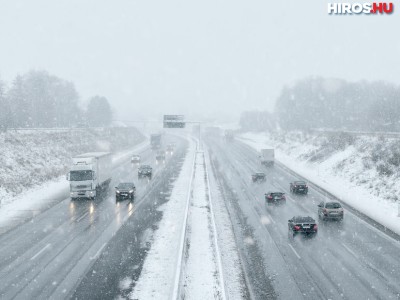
331 210
135 159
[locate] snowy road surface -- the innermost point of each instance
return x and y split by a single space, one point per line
124 250
48 256
352 261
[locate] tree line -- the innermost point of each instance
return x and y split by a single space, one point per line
320 103
38 99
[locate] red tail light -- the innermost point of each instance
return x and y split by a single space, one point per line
283 197
296 227
325 211
315 227
269 197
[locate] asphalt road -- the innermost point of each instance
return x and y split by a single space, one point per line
349 261
51 255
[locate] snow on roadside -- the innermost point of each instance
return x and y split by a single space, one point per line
157 277
201 280
31 203
339 184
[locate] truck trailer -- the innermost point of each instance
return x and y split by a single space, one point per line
267 157
89 175
156 141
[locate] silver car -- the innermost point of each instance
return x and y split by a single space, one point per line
330 211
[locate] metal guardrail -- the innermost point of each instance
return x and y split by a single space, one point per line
359 133
62 129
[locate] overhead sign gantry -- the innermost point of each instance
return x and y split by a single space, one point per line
174 121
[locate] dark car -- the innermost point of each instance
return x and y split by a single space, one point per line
145 171
258 177
330 211
299 187
160 156
305 226
272 198
170 148
125 190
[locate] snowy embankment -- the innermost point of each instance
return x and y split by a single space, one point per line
20 202
362 172
29 159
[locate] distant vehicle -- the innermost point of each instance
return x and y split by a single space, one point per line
258 177
229 135
267 157
305 226
160 156
156 141
272 198
330 211
125 190
90 173
299 187
170 148
135 159
145 171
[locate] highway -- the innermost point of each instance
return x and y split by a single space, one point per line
85 249
354 260
51 255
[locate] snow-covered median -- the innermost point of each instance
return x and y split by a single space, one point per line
184 261
157 277
342 172
203 273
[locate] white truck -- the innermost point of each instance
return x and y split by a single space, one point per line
267 157
90 174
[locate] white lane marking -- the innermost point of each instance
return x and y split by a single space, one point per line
98 252
41 251
81 217
294 251
351 251
273 221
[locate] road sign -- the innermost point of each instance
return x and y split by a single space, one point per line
174 121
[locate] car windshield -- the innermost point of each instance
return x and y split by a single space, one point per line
299 183
333 205
80 175
125 186
303 220
276 194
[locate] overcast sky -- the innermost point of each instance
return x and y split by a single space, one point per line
155 57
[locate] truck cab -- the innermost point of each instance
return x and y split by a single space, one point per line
89 174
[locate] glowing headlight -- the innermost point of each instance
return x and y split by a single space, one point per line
131 191
117 192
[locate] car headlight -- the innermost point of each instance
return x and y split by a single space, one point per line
117 192
131 191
